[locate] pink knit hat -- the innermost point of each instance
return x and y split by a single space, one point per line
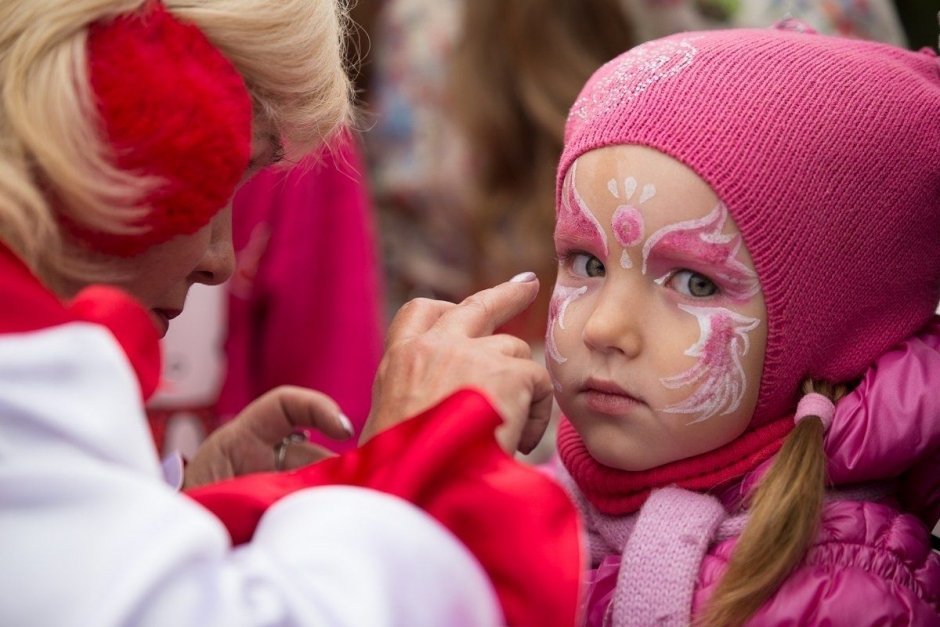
826 152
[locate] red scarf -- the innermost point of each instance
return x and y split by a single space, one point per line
619 492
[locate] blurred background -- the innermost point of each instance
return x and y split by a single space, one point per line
445 187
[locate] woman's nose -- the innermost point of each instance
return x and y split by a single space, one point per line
218 264
615 324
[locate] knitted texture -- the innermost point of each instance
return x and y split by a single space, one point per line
173 110
618 492
661 560
826 152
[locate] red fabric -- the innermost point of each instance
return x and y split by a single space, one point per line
305 301
518 523
26 304
175 109
618 492
131 326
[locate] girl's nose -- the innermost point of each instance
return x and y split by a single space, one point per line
218 264
615 324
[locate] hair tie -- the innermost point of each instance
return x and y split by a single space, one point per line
815 404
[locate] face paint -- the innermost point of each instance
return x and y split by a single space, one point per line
720 377
561 298
702 239
575 221
627 221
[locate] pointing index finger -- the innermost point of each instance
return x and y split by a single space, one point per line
482 313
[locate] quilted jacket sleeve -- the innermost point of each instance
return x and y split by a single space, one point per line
869 566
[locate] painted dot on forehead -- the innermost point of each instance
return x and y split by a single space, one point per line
627 224
627 221
574 220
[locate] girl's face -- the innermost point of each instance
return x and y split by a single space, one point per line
657 326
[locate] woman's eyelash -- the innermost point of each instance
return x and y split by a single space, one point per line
277 153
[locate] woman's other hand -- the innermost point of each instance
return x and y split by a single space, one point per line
250 442
435 348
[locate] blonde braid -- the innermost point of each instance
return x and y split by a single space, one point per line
784 519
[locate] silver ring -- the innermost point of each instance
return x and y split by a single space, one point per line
280 450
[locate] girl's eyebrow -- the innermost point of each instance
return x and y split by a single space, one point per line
690 246
718 259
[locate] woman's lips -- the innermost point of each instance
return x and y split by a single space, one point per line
161 319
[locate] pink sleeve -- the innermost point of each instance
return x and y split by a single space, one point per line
889 421
850 597
305 301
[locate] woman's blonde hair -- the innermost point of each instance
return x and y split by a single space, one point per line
785 513
289 52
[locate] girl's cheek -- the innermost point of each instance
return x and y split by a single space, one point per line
717 382
562 297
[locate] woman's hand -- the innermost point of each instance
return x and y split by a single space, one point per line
249 442
435 348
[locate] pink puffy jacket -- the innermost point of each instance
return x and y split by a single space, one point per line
871 564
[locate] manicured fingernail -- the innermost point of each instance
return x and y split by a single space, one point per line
346 423
523 277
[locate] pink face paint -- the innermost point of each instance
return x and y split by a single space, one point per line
627 221
575 222
703 240
561 298
627 224
718 372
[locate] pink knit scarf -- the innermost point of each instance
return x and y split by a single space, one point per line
619 492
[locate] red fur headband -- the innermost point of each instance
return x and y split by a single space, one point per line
173 108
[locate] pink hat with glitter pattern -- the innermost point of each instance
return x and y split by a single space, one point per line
826 152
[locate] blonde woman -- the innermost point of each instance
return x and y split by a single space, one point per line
125 127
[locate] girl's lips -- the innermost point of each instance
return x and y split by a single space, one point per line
608 398
607 403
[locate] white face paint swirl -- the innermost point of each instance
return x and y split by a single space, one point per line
703 239
574 220
561 298
721 380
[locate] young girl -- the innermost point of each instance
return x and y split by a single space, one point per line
125 128
742 335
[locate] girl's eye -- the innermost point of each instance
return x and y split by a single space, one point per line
692 284
586 265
